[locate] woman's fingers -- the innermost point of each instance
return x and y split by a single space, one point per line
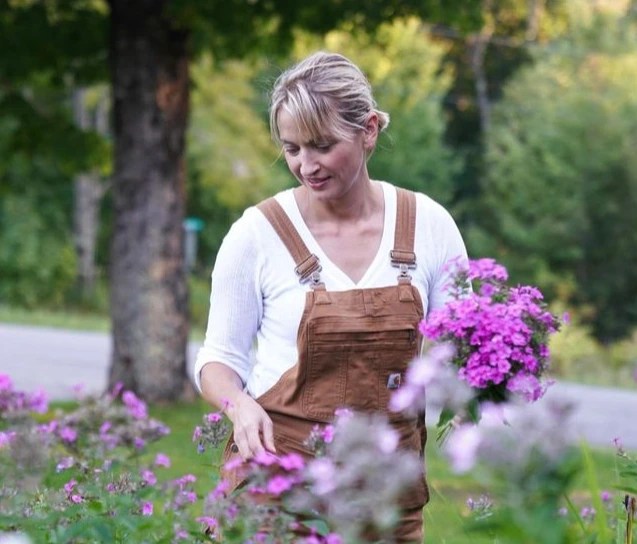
253 429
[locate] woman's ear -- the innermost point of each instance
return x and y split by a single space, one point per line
370 134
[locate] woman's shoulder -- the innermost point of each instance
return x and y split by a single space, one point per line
428 208
251 226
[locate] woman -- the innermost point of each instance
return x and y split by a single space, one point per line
331 278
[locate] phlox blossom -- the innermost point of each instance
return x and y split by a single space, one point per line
292 461
136 407
162 460
149 477
322 472
500 333
387 440
6 437
68 434
6 384
462 447
279 484
214 417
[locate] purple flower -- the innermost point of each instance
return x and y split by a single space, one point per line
322 472
222 487
162 460
65 462
327 434
6 437
265 459
147 508
68 434
48 428
279 484
38 402
149 477
70 486
5 383
185 480
462 447
487 269
180 534
526 385
587 513
117 389
292 461
196 435
105 427
189 496
214 417
208 521
136 407
606 496
387 440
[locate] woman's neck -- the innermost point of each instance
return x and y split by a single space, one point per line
360 203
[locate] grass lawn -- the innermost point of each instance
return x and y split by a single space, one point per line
53 318
449 491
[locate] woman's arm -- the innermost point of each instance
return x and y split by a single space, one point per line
222 387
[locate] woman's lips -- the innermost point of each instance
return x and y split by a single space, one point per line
316 183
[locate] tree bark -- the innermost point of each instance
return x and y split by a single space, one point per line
148 287
88 190
478 50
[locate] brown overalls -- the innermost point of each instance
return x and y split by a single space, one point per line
354 347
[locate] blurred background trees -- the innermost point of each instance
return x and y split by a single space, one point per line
518 115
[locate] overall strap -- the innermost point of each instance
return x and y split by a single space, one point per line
403 256
307 264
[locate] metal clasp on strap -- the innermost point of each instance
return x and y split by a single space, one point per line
315 278
308 267
404 274
399 258
403 260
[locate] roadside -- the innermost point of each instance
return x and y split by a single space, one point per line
57 360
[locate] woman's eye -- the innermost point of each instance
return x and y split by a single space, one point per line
323 146
291 150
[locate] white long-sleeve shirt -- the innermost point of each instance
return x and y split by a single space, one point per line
257 295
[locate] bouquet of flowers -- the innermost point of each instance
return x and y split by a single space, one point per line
498 334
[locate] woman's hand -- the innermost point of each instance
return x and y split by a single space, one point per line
253 431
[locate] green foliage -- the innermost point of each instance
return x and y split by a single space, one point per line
37 261
239 28
232 162
56 39
561 182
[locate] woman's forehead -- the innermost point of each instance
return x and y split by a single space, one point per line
295 126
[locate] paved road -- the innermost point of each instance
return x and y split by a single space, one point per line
57 360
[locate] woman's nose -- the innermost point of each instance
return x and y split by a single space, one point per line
309 165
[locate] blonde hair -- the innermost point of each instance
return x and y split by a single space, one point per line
327 95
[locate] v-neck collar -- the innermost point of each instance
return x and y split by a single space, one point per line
329 267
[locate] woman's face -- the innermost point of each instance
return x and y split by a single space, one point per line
328 168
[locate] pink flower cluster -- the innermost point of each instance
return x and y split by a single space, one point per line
500 332
12 400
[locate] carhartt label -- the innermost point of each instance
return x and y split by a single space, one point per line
394 381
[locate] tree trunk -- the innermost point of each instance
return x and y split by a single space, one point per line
88 190
148 286
478 49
